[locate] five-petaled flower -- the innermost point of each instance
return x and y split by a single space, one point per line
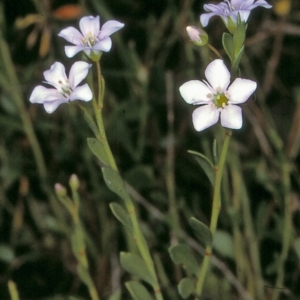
65 89
230 9
216 98
91 40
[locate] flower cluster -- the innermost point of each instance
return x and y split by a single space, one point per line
217 97
92 41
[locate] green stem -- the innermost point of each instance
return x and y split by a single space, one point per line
215 213
138 235
287 228
213 49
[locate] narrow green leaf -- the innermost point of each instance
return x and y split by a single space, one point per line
114 181
135 265
90 121
205 164
239 37
228 45
182 254
186 287
138 291
120 213
236 62
202 231
223 243
98 149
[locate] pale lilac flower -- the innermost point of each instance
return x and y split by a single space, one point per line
231 9
91 39
216 98
65 89
198 36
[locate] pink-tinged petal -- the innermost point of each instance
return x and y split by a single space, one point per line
73 50
103 45
56 75
231 117
195 92
50 107
41 94
83 93
240 90
90 26
205 116
72 35
78 72
109 28
217 75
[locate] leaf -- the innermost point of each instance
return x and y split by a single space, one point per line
182 254
236 62
134 264
114 181
6 253
205 164
120 213
228 45
239 38
138 291
98 149
202 231
186 287
90 121
223 243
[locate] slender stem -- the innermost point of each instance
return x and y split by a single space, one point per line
213 49
215 213
138 235
287 227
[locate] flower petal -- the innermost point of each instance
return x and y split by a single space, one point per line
231 117
205 116
90 26
195 92
72 35
83 93
240 90
103 45
50 107
217 75
109 28
56 75
78 72
262 3
73 50
41 94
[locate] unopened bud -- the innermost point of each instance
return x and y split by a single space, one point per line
74 182
60 190
198 36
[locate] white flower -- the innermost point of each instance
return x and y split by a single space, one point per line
216 98
65 89
230 9
91 40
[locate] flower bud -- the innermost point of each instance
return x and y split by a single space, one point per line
198 36
74 182
60 190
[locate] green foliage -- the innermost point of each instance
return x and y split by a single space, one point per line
138 291
134 264
185 287
202 231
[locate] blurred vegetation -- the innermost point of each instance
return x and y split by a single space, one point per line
150 130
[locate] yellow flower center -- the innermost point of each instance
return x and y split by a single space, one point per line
220 100
90 41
